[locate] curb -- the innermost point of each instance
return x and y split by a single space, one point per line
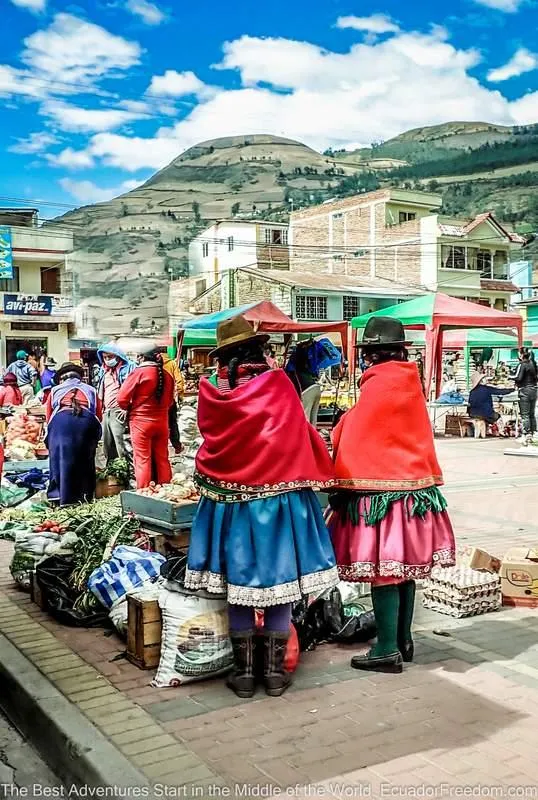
68 742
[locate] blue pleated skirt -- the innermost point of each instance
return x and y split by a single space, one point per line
262 552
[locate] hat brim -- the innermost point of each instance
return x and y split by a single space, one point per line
378 345
65 370
262 338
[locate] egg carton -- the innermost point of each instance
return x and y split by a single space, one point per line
463 578
464 609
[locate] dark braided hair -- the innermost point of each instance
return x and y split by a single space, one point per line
380 355
157 358
234 357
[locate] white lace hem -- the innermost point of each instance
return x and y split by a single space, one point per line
216 583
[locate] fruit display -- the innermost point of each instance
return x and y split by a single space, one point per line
180 490
23 436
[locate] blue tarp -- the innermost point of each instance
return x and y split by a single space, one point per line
209 322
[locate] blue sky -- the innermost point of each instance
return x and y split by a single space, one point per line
99 95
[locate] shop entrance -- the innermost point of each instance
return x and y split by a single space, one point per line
34 347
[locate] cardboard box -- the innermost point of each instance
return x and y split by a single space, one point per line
478 559
519 577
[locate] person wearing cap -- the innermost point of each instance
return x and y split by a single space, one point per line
73 411
10 394
146 396
25 373
48 373
480 407
388 523
258 535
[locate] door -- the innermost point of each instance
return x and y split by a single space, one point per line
34 347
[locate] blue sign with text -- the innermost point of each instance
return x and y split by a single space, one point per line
6 253
33 305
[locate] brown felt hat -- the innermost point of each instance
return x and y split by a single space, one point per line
235 331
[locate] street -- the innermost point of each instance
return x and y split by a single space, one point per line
20 766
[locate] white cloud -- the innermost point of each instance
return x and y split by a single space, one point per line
148 12
20 82
86 120
525 110
88 192
31 5
133 153
74 51
71 159
509 6
34 143
376 23
176 84
522 61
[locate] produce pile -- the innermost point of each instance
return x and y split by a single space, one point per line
23 436
180 491
87 533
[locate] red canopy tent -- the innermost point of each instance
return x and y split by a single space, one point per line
267 318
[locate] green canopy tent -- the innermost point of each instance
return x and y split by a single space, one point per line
437 313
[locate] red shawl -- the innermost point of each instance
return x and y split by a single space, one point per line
385 442
257 441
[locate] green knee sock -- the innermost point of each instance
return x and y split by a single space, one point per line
407 609
386 603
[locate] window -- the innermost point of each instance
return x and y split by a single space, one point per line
483 263
200 287
230 243
50 280
10 284
406 216
276 236
350 307
311 307
205 249
455 258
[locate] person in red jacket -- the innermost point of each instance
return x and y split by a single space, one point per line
10 394
146 395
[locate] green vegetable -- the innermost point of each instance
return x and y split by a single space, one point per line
118 468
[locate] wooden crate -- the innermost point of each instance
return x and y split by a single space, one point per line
144 627
36 594
169 545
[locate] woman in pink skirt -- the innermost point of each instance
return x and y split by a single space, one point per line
388 522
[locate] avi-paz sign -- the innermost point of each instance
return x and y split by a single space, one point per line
6 253
27 305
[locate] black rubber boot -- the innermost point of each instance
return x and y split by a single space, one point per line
242 681
275 677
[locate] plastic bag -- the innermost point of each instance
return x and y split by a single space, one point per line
291 659
195 639
52 577
333 618
128 568
119 616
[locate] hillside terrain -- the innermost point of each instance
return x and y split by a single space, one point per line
127 249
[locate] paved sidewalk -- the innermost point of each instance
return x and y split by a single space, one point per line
465 714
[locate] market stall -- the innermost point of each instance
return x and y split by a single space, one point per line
436 314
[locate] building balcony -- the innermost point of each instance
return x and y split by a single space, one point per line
18 307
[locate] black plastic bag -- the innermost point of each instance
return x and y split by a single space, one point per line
52 577
325 620
342 627
174 569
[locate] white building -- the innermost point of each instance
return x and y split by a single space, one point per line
236 243
36 309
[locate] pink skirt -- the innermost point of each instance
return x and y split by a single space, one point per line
398 548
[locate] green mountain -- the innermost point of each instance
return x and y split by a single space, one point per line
129 248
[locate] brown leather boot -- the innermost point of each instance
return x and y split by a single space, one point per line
275 677
242 680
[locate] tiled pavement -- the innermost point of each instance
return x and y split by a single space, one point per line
465 715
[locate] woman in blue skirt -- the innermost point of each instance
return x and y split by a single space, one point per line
259 534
